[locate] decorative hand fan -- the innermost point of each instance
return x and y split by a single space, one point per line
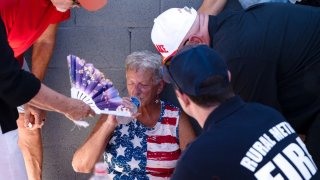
90 85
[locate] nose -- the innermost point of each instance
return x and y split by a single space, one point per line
135 90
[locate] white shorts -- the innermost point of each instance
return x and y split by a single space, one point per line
26 68
12 165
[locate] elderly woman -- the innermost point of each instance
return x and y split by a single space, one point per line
149 146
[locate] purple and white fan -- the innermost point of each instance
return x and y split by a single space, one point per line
90 85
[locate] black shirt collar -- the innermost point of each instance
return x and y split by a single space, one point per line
224 110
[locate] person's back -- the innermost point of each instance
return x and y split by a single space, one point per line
273 52
246 141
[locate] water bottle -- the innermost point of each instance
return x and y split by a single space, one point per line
136 104
100 172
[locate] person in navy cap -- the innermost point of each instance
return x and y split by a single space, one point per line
239 140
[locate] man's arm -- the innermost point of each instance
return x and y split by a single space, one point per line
18 87
42 51
90 152
51 100
30 141
212 7
186 132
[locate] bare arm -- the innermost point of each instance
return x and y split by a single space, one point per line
212 7
51 100
30 142
42 51
186 132
90 152
41 54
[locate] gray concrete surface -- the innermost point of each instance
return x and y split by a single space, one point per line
103 38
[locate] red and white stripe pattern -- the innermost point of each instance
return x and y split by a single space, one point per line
163 149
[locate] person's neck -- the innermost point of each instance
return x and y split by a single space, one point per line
201 113
150 114
204 28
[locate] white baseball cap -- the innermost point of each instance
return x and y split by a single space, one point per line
169 29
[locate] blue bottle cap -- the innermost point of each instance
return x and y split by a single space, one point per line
135 101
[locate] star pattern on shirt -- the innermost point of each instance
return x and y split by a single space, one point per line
120 151
136 141
112 140
125 130
134 163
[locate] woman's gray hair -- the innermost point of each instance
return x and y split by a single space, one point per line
145 60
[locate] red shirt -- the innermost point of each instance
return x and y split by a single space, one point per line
26 20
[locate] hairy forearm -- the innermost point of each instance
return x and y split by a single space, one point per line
42 51
40 59
48 99
90 152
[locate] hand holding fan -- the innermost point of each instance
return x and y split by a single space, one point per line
90 85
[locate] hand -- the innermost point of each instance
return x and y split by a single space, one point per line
33 117
109 119
78 110
128 104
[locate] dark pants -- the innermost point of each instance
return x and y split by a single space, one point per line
313 140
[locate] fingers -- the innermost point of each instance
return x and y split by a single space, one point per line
28 119
81 110
33 117
35 124
104 117
135 115
126 101
91 113
111 120
38 122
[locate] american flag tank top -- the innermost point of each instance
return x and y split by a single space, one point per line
139 152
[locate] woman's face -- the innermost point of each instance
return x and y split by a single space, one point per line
141 84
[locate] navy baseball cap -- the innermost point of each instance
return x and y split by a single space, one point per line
192 65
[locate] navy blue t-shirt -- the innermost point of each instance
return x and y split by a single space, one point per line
245 141
273 53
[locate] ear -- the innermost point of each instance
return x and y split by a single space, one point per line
183 98
195 40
